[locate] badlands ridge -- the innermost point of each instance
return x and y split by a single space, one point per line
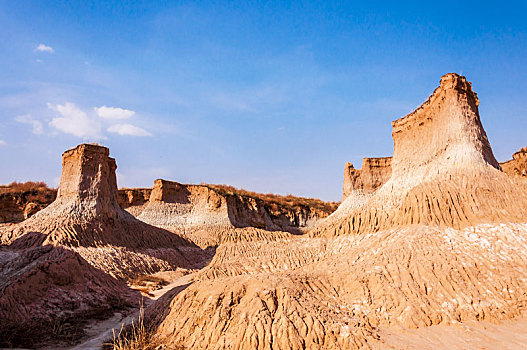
428 249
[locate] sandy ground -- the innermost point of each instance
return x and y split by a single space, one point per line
506 335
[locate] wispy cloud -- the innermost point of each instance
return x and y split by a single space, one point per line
2 142
44 48
113 113
128 129
37 126
74 121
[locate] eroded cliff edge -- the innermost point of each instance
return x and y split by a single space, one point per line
209 215
373 174
442 171
517 166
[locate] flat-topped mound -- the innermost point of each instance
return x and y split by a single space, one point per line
290 212
282 203
86 211
209 215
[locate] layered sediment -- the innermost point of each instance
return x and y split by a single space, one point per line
18 204
208 217
434 236
216 205
373 174
133 199
292 214
517 166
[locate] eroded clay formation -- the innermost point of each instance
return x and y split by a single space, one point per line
443 241
208 216
439 242
133 199
443 170
517 166
373 174
86 211
270 212
60 262
18 205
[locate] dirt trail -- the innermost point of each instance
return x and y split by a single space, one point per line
100 332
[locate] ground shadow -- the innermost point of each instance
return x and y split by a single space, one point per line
49 293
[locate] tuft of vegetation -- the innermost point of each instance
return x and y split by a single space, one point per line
136 336
274 200
22 187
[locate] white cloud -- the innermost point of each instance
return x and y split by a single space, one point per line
39 61
114 113
38 128
2 142
128 129
74 121
44 48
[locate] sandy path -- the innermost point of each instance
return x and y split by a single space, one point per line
100 332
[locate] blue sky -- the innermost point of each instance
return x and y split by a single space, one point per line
267 96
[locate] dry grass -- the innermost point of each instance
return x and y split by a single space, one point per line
21 187
274 200
30 191
134 337
137 336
